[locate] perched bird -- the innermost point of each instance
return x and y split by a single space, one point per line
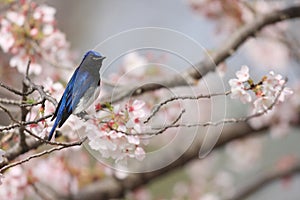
81 90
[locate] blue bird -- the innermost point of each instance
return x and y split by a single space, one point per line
81 90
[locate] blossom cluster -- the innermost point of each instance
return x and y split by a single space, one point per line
114 131
22 181
270 88
28 32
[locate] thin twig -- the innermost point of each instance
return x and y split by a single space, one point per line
24 123
17 92
40 89
232 120
8 113
19 103
156 132
71 144
46 141
176 98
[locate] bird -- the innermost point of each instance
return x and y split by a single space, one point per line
81 91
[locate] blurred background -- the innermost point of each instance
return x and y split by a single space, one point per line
89 23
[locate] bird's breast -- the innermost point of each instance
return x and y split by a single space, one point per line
87 99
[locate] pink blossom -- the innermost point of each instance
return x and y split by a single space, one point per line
139 153
14 17
285 93
279 123
238 90
15 185
243 74
133 139
20 61
45 13
114 132
262 104
241 94
54 169
235 83
48 29
7 39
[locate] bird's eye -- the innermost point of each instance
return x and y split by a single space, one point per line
98 58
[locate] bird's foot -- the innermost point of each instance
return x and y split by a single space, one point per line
83 115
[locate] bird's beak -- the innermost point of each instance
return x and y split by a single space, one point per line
103 57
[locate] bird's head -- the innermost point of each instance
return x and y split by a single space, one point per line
92 61
94 55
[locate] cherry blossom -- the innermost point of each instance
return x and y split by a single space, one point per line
227 13
114 131
55 169
7 39
243 74
15 184
280 123
20 61
266 91
238 90
239 93
270 88
44 13
262 104
16 18
139 153
26 29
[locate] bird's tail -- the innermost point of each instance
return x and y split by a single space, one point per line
53 129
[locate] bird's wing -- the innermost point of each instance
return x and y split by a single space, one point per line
84 82
66 98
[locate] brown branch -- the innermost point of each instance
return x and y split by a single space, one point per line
263 180
209 63
232 120
44 96
176 98
66 144
24 123
71 144
111 188
13 90
24 112
8 113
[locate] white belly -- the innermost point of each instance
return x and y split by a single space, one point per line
89 97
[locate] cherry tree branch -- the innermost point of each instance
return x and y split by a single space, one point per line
113 188
176 98
209 63
71 144
263 180
232 120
